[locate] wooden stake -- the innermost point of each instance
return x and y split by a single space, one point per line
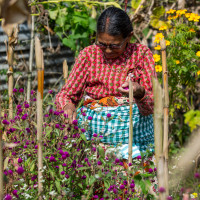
65 70
130 144
40 72
166 110
30 59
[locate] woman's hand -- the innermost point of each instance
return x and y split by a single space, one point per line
138 90
70 111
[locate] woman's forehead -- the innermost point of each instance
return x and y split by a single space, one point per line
109 38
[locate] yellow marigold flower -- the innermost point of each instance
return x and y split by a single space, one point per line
163 28
169 17
158 68
187 15
177 62
156 57
181 12
167 42
158 36
194 195
198 53
175 17
157 48
198 73
192 30
171 11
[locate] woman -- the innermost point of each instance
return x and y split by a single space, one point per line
100 75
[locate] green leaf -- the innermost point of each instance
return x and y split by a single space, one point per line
32 167
83 137
159 11
70 43
83 168
57 183
101 152
135 3
92 24
106 184
53 14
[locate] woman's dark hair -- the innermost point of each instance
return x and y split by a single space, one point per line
114 21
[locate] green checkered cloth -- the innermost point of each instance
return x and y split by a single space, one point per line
115 130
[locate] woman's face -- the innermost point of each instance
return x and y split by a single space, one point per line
112 46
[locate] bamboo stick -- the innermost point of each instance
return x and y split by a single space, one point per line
30 59
1 166
130 144
158 133
166 110
40 72
65 70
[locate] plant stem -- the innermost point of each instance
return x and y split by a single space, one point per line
1 166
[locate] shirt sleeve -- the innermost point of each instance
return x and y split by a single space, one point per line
144 76
73 90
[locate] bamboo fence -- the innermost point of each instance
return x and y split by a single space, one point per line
1 165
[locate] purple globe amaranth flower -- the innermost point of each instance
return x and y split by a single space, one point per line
13 153
76 128
10 172
169 198
161 190
27 143
86 159
57 167
83 130
132 185
125 182
64 156
95 197
20 160
94 149
121 187
8 197
56 113
90 118
67 176
65 137
46 115
12 130
117 160
34 99
6 122
139 157
197 175
23 117
95 135
19 106
83 177
36 146
32 92
64 164
84 114
20 170
61 152
102 198
121 163
34 177
115 191
150 170
15 192
15 90
51 111
108 115
99 162
57 126
66 153
52 159
62 173
50 91
129 164
21 90
155 169
26 105
75 122
19 111
28 130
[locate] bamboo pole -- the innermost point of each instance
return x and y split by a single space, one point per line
65 70
12 38
40 73
166 110
30 59
130 144
1 166
158 134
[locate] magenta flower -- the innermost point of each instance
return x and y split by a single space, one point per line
20 160
155 169
95 135
10 172
15 90
67 176
36 146
57 126
28 130
169 198
6 122
197 175
52 159
64 164
150 170
99 162
76 128
125 182
20 170
161 190
62 173
89 117
34 177
84 114
15 192
21 90
117 160
12 130
83 130
46 115
121 187
50 91
139 157
51 111
115 191
24 117
132 185
26 105
75 122
83 177
86 159
64 156
65 137
34 99
129 164
32 92
94 149
108 115
8 197
95 197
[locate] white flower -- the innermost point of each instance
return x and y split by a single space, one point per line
52 193
96 176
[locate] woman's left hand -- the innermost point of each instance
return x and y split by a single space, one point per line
138 90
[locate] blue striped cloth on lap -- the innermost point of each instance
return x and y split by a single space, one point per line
115 129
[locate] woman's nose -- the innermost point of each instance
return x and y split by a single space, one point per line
108 50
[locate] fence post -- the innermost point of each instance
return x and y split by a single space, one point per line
165 110
65 70
40 73
1 165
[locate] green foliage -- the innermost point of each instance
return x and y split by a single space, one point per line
192 118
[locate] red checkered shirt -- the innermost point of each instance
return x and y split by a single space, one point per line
99 77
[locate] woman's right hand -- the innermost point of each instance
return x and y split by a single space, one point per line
70 111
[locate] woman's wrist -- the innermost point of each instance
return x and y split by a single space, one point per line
70 106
